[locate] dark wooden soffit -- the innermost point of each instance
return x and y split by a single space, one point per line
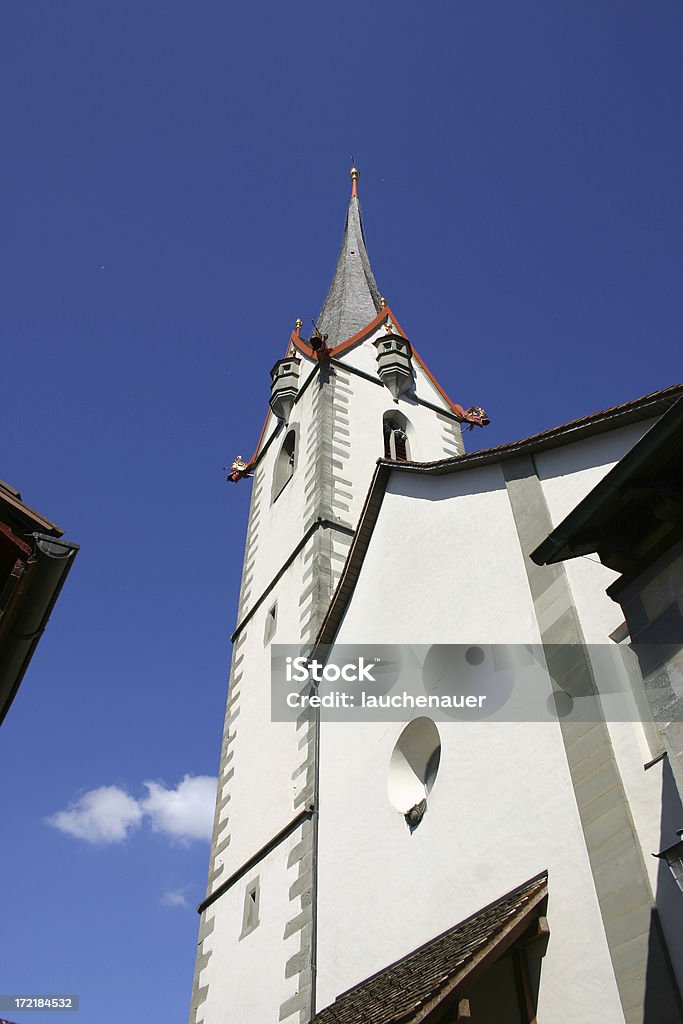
421 987
636 510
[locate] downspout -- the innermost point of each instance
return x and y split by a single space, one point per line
314 866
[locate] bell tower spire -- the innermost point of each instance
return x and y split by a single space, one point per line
354 392
353 298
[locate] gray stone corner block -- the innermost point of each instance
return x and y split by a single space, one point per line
300 1001
301 921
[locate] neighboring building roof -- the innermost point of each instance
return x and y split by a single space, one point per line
15 511
34 563
646 407
636 511
445 968
353 299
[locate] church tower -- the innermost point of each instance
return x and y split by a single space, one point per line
353 392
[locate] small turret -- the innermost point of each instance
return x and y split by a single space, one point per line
284 387
394 362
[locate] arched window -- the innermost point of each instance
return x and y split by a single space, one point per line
395 438
284 465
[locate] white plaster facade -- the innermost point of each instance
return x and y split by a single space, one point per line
345 889
297 543
503 806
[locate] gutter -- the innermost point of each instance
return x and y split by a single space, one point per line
48 568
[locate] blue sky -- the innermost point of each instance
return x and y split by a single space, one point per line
175 178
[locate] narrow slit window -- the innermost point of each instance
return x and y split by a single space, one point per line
271 624
252 898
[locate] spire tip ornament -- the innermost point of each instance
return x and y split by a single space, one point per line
355 175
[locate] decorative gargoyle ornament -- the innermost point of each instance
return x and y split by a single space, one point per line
238 469
478 416
318 343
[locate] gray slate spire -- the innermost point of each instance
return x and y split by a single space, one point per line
353 299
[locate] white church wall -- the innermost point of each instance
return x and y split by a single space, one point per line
429 552
356 445
280 517
364 357
265 781
245 972
434 437
568 474
502 808
259 776
265 775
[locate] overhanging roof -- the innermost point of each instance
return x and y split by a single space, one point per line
26 602
638 497
17 513
420 986
34 563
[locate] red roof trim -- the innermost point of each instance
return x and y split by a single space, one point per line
382 316
300 345
364 332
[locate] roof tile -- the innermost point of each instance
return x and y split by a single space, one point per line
399 991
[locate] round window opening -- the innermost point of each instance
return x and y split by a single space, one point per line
413 768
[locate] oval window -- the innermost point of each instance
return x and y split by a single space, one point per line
414 764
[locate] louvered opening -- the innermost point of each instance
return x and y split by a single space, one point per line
395 442
284 466
400 446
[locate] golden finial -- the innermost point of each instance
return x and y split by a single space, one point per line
382 302
355 175
299 324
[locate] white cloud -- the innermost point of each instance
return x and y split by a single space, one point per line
109 814
185 812
175 898
104 815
